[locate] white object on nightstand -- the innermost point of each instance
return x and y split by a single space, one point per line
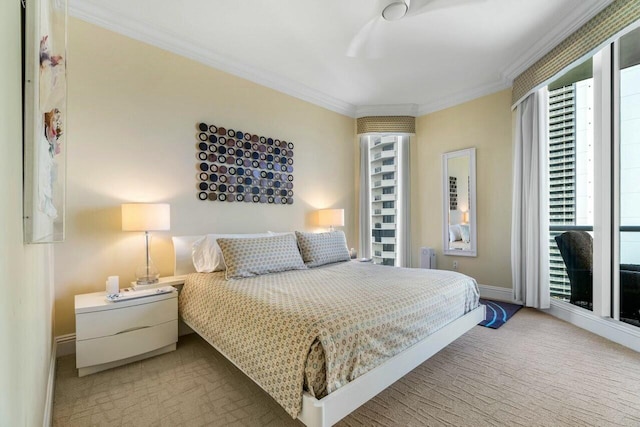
111 334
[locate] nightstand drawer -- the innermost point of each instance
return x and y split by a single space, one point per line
116 347
120 320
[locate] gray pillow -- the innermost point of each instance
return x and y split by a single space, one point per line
323 248
260 255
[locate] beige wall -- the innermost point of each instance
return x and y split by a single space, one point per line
132 115
26 300
485 124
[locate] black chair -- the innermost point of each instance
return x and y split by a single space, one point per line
576 248
630 291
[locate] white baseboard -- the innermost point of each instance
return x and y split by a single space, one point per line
497 293
66 344
619 332
47 418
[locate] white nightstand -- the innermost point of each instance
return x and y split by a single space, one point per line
110 334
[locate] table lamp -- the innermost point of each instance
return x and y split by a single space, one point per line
146 217
331 218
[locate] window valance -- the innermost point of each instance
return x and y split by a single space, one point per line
611 20
386 124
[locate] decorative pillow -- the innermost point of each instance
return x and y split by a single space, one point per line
323 248
261 255
464 232
454 233
206 253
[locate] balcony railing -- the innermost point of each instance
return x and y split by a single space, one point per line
623 228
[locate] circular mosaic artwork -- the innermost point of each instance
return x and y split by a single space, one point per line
261 166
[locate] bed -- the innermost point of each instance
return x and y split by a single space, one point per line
322 341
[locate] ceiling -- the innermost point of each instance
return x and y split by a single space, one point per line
442 53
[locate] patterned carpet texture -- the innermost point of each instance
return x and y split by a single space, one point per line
534 371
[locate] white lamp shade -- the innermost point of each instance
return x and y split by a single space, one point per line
146 216
331 217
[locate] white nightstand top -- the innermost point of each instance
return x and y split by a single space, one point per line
87 303
166 281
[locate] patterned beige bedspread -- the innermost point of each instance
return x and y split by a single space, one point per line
281 329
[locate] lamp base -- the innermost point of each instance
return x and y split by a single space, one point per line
147 280
145 283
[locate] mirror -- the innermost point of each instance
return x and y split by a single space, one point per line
459 234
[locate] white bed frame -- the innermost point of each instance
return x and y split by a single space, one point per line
340 403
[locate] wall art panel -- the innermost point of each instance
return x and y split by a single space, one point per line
237 166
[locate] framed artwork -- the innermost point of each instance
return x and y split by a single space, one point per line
237 166
45 109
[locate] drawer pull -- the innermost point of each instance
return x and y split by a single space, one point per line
132 329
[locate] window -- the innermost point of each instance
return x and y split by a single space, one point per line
594 125
570 166
628 229
384 173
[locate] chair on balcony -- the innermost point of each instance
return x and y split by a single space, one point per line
576 248
630 291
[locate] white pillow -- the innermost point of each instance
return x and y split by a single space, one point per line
207 255
454 233
464 232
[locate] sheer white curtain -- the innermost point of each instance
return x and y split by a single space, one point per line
364 242
530 222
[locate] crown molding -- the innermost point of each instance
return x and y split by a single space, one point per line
168 41
387 110
569 24
462 97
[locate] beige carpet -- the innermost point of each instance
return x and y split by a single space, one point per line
533 371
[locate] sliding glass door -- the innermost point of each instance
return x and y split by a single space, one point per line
571 185
629 178
594 182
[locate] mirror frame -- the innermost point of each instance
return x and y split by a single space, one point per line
473 251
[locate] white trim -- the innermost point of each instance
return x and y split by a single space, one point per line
473 236
619 332
387 110
337 405
579 16
615 181
497 293
47 418
145 32
602 186
65 344
464 96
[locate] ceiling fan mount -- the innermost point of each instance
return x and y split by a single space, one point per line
375 29
395 10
